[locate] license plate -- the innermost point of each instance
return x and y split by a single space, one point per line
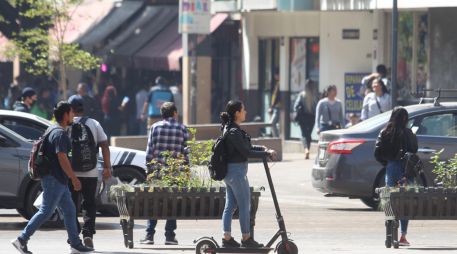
322 153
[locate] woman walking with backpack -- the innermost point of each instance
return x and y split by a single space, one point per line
305 110
238 150
391 145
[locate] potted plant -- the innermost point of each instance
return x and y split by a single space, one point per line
175 189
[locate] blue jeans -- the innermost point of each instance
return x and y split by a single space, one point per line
237 194
170 227
394 173
55 195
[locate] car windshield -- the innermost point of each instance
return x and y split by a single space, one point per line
373 122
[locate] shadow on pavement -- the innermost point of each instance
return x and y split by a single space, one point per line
434 248
353 209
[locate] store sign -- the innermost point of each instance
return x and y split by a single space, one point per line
351 34
354 92
194 16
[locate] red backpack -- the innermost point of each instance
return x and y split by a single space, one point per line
39 163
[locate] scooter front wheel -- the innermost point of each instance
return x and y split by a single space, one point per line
287 247
205 246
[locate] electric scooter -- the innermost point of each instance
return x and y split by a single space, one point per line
285 246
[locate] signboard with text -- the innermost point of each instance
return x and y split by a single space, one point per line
194 16
354 92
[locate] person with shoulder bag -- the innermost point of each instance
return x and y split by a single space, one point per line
305 113
329 111
239 149
393 142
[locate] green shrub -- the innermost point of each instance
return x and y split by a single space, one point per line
445 171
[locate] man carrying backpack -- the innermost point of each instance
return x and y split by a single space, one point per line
56 194
167 135
158 95
86 135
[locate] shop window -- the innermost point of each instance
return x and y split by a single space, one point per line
304 64
413 60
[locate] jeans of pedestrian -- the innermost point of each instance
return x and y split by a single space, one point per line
237 194
274 121
170 227
55 195
394 173
87 206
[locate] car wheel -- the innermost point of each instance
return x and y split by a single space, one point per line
129 175
374 201
29 209
126 175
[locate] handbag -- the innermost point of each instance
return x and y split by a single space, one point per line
332 125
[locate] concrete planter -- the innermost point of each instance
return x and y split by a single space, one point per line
416 204
173 203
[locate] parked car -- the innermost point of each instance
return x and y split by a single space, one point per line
18 191
345 165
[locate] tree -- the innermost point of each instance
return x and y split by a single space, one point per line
40 41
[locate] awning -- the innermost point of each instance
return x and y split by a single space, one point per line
165 49
147 26
119 14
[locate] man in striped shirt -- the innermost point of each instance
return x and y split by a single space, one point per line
167 135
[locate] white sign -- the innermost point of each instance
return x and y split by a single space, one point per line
194 16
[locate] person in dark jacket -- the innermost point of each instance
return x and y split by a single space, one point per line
28 98
392 143
239 149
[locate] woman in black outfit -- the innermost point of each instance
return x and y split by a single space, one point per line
392 143
239 149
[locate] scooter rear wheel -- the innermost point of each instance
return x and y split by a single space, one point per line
287 247
205 246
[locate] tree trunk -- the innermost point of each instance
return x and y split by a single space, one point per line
63 79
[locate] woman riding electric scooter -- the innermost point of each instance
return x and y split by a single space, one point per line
239 149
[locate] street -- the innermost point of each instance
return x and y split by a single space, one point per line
317 224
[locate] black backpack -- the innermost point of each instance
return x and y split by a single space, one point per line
217 165
84 150
39 163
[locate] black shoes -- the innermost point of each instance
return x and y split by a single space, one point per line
171 241
148 239
230 243
21 246
80 249
250 243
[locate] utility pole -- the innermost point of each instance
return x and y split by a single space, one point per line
394 52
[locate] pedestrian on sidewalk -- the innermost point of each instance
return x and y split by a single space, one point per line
376 102
329 111
158 95
28 98
239 148
305 110
380 73
167 135
88 178
391 145
56 193
275 108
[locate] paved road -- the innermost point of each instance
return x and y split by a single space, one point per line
317 224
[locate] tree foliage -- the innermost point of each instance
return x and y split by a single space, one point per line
40 40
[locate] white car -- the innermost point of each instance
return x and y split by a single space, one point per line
128 165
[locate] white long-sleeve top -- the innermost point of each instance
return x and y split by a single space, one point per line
370 107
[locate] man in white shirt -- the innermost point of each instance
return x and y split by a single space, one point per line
376 102
89 178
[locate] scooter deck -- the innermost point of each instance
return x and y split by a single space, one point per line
243 250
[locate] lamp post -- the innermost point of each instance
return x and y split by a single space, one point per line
394 52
